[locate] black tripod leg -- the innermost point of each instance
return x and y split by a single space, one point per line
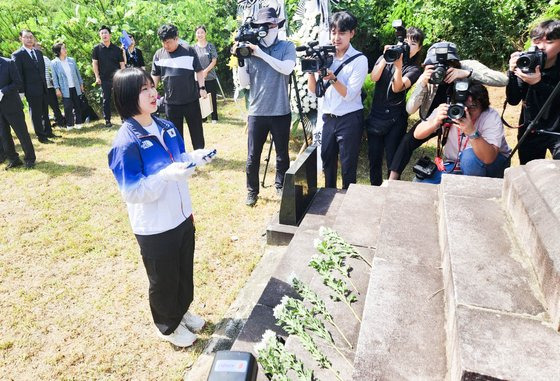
267 160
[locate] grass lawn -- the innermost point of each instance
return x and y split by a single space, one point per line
73 291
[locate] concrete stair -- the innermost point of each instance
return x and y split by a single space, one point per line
496 321
532 198
465 283
402 336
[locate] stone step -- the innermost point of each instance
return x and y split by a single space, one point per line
322 212
402 336
491 290
532 199
360 213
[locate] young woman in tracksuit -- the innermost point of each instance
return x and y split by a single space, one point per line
149 162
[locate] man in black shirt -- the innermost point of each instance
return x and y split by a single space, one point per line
107 58
176 64
535 88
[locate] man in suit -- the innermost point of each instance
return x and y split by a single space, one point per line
11 114
31 67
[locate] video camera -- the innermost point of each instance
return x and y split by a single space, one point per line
248 34
440 67
529 60
394 51
457 110
424 168
317 58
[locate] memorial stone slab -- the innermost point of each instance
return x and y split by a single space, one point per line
532 198
483 266
493 345
360 213
300 186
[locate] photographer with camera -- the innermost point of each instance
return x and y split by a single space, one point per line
394 73
532 78
473 135
342 107
442 67
267 65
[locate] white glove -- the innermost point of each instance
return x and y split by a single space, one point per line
21 96
177 171
1 95
202 156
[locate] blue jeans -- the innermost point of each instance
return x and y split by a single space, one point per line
471 166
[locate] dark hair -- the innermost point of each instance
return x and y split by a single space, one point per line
57 48
167 31
343 21
104 27
479 94
23 31
127 85
200 27
549 29
415 34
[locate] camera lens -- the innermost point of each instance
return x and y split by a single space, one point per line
243 51
456 111
392 54
438 75
524 62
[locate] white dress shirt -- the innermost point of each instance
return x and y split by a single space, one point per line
352 76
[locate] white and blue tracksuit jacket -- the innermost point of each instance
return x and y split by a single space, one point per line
154 205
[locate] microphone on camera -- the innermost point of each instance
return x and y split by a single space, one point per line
302 48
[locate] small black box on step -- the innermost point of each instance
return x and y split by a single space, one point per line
233 366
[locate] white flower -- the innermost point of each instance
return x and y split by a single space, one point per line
323 231
279 309
317 243
267 338
292 277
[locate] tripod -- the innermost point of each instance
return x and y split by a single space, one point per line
532 126
305 122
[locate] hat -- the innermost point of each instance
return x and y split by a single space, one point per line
268 16
451 52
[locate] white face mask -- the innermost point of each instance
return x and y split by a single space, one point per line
270 37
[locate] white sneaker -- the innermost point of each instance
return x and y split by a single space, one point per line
214 121
69 128
193 322
181 337
78 126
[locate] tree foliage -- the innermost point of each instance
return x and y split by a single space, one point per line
487 30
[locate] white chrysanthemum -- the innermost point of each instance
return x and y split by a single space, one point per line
317 244
323 231
292 277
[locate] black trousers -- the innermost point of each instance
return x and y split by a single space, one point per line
259 127
406 147
72 107
16 120
385 143
535 146
52 101
168 259
107 87
341 135
212 87
191 113
37 110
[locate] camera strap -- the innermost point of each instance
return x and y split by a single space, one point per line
350 59
504 120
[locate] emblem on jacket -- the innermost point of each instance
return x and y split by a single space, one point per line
172 132
146 144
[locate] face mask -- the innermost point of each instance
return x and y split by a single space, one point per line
270 37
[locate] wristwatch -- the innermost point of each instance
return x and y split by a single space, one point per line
333 81
475 135
202 87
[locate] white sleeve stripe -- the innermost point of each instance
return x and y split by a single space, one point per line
185 62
